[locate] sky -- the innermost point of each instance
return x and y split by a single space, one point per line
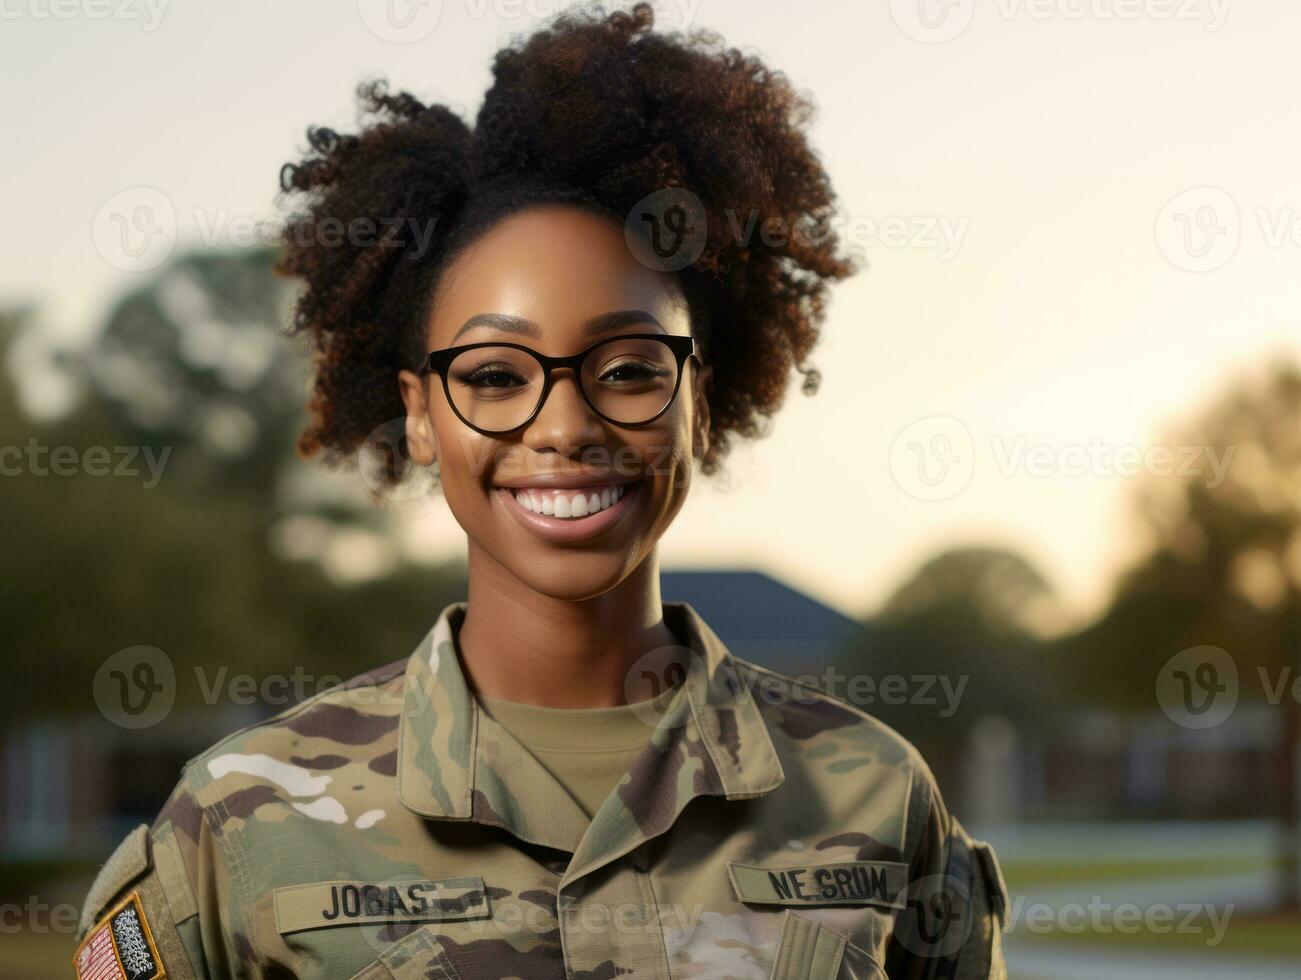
1080 219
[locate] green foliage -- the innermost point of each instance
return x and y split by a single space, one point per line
94 564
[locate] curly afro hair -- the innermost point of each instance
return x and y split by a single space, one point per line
599 111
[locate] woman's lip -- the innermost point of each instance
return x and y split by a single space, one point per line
563 530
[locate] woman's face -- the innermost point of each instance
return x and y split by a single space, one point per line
557 275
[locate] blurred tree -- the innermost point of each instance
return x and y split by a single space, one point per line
193 368
195 359
1223 568
975 620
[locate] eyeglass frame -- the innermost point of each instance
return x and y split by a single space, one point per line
683 348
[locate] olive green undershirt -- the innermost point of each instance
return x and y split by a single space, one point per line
588 750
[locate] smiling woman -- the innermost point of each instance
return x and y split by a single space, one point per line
567 776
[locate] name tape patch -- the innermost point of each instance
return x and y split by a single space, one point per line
120 946
348 903
842 883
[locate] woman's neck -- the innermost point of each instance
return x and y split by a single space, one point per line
518 644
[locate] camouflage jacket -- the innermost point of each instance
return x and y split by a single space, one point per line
389 828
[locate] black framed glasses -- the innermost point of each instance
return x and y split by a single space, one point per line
496 387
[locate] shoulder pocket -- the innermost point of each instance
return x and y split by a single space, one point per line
969 947
135 937
808 950
995 885
128 862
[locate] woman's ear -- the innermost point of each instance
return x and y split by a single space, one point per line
422 443
702 385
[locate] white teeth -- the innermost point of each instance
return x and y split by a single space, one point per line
579 504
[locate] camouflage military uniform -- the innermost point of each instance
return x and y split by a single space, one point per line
390 828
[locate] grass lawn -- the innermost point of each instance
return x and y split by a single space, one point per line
1021 875
37 956
1246 934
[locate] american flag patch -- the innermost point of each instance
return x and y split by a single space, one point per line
120 946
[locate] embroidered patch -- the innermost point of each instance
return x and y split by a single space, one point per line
120 946
843 883
349 903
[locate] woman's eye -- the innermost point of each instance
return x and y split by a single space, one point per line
629 371
490 376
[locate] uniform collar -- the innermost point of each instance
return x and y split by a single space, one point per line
456 763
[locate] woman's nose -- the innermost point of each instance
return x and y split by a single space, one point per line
565 423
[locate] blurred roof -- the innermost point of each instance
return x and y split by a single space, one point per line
760 618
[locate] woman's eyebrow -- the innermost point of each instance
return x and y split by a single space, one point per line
619 318
499 321
522 325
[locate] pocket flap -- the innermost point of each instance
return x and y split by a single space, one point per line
807 951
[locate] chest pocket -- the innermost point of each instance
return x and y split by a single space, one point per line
419 956
807 950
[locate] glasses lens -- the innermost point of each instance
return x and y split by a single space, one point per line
495 388
630 381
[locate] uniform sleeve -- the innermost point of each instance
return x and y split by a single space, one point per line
952 925
156 905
